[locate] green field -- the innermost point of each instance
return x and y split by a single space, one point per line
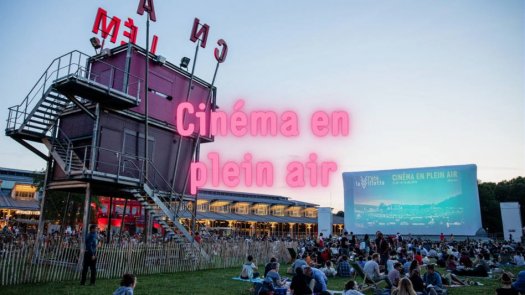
200 282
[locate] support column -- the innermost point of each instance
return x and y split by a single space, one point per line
94 140
110 213
149 226
40 230
85 224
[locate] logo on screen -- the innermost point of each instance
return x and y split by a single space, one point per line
366 181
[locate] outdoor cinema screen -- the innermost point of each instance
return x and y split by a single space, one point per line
421 201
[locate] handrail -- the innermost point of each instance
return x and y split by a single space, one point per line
172 192
138 163
73 63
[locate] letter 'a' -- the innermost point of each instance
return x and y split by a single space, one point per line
147 5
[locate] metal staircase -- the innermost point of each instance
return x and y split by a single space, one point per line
64 154
67 82
44 115
40 109
166 204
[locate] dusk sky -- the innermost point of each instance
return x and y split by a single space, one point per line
425 83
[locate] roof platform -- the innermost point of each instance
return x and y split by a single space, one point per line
75 85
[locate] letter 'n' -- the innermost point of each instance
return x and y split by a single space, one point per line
195 35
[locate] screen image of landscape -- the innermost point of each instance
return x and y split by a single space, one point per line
420 201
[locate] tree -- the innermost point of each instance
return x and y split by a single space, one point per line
492 194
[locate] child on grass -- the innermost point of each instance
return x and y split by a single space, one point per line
127 285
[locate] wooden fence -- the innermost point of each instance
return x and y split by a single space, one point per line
37 262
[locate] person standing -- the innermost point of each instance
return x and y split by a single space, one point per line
90 256
197 238
344 245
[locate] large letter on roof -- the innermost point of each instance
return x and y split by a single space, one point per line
202 31
147 5
106 28
220 55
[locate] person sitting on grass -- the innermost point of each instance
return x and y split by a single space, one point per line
451 263
391 261
249 269
506 286
432 280
351 288
518 259
404 288
417 282
407 264
480 270
371 270
299 262
300 283
465 260
319 282
269 264
266 288
328 269
519 284
414 265
273 274
127 285
395 274
343 268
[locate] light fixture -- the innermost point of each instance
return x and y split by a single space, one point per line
160 59
95 42
105 52
184 62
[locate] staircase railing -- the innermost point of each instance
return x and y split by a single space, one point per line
62 141
62 65
174 201
78 65
120 166
171 196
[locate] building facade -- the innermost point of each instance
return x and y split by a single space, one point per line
226 213
19 197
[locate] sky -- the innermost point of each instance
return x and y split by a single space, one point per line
425 83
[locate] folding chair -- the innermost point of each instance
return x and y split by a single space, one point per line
293 254
367 283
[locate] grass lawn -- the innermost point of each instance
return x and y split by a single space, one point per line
201 282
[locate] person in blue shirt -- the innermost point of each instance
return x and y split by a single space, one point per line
319 280
432 281
90 255
343 268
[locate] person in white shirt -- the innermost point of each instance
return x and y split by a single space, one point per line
249 269
391 261
328 269
518 260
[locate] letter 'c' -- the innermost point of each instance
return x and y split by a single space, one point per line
221 56
180 119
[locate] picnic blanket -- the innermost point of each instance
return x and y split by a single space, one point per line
255 280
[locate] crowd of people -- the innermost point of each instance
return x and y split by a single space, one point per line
397 264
